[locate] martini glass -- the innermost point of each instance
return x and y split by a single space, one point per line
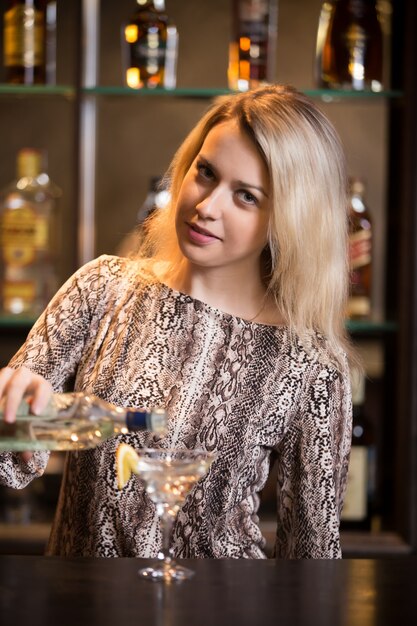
169 475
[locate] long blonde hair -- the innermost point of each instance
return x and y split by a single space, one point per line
306 265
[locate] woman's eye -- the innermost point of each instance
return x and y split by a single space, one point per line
247 197
205 172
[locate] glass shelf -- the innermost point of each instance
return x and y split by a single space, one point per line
334 95
68 91
16 321
326 95
37 90
369 327
185 92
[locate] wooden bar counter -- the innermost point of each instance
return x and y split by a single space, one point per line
59 591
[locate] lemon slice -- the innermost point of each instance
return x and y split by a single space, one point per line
126 464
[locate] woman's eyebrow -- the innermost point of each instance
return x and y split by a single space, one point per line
241 183
259 188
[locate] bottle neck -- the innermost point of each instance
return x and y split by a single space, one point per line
158 5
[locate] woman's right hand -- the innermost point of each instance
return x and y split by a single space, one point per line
16 383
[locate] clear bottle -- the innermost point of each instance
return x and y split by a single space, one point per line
360 253
149 47
24 45
75 421
252 47
349 49
30 238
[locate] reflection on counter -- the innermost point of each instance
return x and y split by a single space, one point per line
26 514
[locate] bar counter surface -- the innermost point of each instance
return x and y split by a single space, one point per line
59 591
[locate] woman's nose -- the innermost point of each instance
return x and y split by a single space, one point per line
210 206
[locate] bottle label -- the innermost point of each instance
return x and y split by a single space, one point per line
360 248
355 504
359 306
18 295
23 37
23 233
154 420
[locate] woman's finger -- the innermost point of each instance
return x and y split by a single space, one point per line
20 383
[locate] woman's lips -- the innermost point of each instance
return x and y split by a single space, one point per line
200 235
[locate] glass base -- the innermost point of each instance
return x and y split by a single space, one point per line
166 572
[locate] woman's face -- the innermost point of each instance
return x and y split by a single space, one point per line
223 207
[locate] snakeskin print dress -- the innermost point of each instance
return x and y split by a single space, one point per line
248 391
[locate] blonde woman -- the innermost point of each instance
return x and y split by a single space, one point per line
231 315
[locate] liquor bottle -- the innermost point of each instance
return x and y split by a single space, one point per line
149 47
253 43
360 252
156 198
29 237
75 421
25 41
50 42
358 505
349 49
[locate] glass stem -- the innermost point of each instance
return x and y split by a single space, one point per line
167 521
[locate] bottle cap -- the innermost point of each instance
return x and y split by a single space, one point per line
357 185
29 163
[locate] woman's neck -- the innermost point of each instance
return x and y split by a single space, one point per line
241 296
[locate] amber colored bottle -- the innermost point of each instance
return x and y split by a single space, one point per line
149 47
360 253
349 51
253 43
24 41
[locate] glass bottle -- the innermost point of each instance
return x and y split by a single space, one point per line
360 252
253 43
30 238
149 47
50 42
156 198
75 421
349 49
24 33
358 505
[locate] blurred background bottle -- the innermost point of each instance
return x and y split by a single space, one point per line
29 34
252 47
358 509
50 42
349 49
30 238
149 47
156 198
360 252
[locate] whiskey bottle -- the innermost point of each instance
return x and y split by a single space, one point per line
360 252
349 49
358 505
74 421
149 47
24 33
30 238
252 45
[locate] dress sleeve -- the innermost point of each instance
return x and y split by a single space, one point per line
312 470
53 349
